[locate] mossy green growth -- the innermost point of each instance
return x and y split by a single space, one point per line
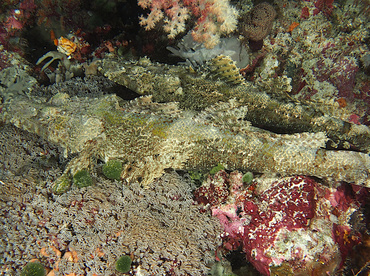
197 177
216 169
247 178
123 264
221 269
82 179
112 169
62 184
33 269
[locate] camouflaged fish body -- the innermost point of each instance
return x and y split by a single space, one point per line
150 137
274 111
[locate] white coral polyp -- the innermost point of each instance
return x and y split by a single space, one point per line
176 24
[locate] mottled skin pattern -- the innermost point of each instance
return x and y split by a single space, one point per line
150 137
273 111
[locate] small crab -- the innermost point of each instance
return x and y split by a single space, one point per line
65 70
66 49
54 55
65 46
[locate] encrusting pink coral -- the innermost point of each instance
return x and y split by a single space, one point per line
296 225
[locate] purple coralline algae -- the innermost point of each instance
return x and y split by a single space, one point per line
341 74
289 226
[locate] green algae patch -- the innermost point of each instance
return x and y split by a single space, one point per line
112 169
33 269
216 169
62 184
82 179
247 178
123 264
